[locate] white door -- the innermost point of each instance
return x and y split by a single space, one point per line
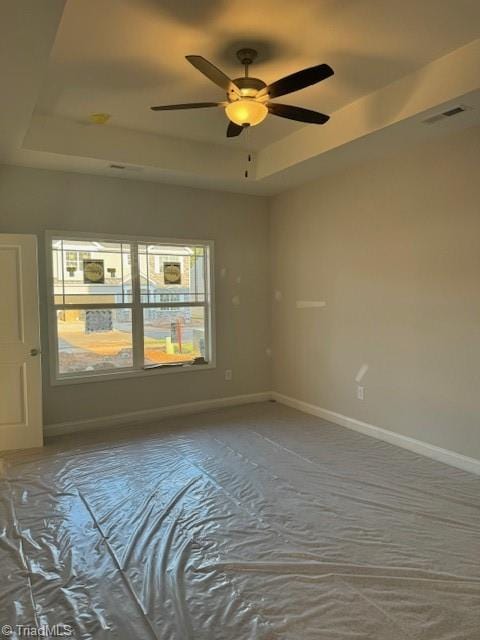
20 366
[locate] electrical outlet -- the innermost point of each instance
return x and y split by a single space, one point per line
360 392
228 374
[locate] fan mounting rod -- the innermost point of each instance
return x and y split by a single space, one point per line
246 57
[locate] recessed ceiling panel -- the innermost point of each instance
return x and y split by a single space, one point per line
121 56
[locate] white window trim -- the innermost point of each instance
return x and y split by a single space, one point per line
57 379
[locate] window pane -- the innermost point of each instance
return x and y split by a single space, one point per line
94 340
174 335
169 270
91 272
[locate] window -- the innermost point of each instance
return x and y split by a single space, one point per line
74 262
128 306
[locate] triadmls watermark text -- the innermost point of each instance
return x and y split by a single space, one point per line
43 631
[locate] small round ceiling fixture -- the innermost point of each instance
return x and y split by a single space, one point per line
99 118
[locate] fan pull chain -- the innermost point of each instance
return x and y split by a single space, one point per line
249 160
249 157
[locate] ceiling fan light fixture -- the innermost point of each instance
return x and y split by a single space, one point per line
249 99
246 112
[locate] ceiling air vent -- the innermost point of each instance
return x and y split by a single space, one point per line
454 111
446 114
124 167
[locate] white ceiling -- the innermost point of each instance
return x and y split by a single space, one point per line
395 63
121 56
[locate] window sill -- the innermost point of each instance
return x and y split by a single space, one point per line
130 373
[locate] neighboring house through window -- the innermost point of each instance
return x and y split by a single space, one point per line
123 306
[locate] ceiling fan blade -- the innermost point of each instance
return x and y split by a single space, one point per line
234 130
297 81
214 74
297 113
191 105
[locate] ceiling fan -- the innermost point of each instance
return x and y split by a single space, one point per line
248 99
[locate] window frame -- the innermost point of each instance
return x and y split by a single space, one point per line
136 306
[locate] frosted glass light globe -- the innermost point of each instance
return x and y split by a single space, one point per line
246 112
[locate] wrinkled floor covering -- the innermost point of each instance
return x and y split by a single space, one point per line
245 523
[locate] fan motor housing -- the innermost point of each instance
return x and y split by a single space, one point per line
248 86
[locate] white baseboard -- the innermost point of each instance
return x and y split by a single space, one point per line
148 415
423 448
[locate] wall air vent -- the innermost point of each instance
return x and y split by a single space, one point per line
446 114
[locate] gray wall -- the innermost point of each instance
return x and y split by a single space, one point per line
393 247
34 200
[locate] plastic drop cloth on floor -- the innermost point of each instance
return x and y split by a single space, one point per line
255 522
